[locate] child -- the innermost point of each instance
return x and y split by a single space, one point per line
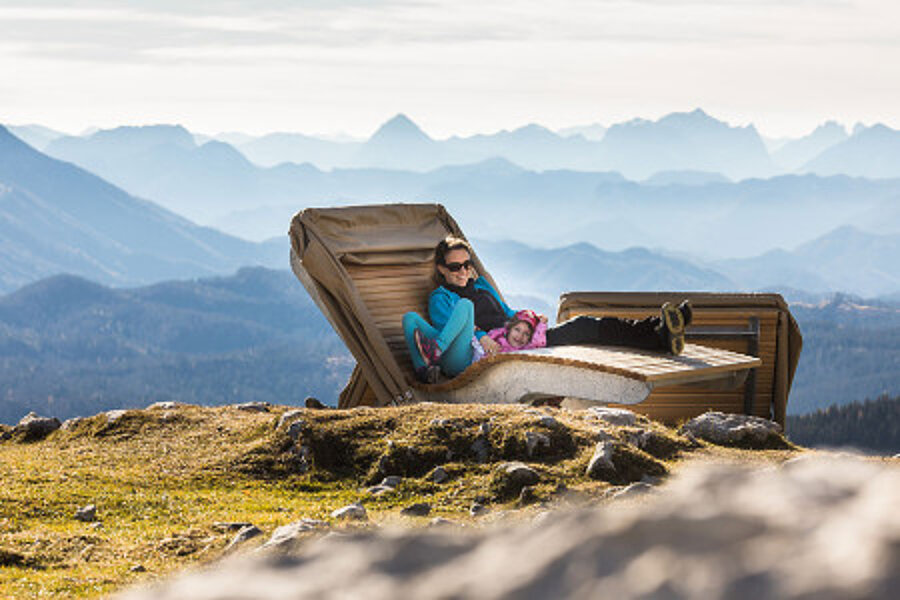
526 329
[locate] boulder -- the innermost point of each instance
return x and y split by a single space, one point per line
291 419
613 416
114 415
419 509
245 533
535 440
33 427
86 513
355 511
288 536
439 475
601 465
734 430
508 479
253 406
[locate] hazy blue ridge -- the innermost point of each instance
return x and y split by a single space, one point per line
58 218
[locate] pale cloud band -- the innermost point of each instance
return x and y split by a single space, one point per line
559 62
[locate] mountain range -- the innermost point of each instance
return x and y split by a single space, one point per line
69 346
639 148
58 218
214 184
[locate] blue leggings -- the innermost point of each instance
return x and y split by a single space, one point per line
454 340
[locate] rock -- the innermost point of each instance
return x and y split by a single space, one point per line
481 448
527 495
86 513
440 522
484 428
728 429
8 558
535 439
419 509
391 481
287 536
33 427
253 406
290 417
380 490
548 421
613 416
508 479
230 525
601 465
478 509
354 511
314 403
635 489
246 533
439 475
166 405
70 424
137 569
822 528
114 415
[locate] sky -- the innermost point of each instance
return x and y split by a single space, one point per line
455 67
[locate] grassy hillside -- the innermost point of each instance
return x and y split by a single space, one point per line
168 481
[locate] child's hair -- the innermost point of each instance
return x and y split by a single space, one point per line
529 317
515 321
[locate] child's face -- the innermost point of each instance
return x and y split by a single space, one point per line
519 334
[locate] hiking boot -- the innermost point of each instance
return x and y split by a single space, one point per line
429 374
672 318
428 348
687 313
671 327
671 342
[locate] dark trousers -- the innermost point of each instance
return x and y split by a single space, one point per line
608 331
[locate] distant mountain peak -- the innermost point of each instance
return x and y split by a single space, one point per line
148 135
401 126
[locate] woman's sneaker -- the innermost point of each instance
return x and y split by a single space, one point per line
429 374
428 348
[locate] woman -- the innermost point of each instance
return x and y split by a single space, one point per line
465 305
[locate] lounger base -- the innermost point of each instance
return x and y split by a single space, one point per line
525 381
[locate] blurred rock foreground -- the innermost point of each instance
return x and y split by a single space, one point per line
818 526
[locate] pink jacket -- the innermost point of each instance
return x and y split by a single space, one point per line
538 338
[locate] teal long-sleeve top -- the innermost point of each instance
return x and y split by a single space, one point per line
441 303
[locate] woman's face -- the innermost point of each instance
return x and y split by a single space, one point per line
519 334
456 257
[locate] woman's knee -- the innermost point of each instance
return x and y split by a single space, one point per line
466 306
410 320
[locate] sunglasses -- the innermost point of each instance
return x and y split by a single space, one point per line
456 266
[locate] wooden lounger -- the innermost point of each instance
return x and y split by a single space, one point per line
365 266
589 374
